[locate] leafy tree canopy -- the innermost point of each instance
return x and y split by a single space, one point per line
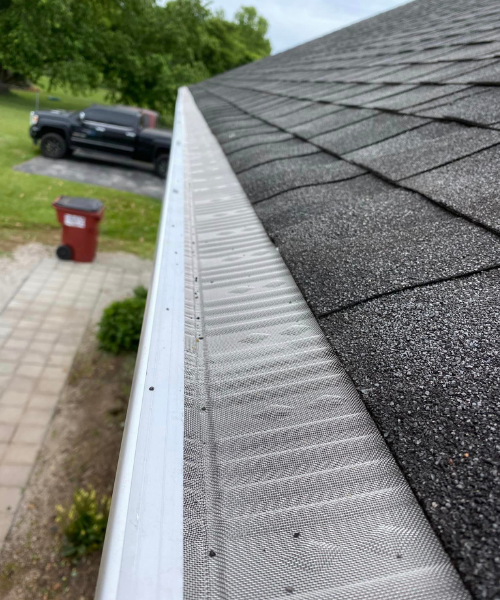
139 50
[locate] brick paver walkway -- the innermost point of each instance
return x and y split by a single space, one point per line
41 328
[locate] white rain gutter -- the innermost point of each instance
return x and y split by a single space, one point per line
143 555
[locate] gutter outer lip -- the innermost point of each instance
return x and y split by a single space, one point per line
143 551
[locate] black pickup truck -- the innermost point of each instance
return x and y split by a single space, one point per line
116 130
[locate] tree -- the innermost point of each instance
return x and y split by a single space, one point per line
183 42
60 39
148 57
140 51
252 30
230 44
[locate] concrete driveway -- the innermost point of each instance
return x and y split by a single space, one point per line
99 169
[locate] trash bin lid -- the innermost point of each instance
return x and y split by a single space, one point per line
90 205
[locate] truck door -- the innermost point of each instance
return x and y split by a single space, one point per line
88 129
120 131
106 130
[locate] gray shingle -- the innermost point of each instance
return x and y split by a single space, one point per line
483 108
306 115
453 72
333 121
424 148
230 135
255 103
469 185
468 52
226 112
254 140
363 98
283 175
266 102
349 91
312 91
233 125
292 208
487 75
385 74
286 108
367 132
468 91
318 91
249 158
216 114
407 245
418 95
411 73
336 75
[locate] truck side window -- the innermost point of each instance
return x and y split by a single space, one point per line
94 114
123 119
112 117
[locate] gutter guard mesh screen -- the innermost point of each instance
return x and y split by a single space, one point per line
289 487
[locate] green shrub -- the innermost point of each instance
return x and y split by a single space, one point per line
84 524
121 323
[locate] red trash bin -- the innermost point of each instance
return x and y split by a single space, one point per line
79 218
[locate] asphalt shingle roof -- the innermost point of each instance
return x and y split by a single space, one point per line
372 157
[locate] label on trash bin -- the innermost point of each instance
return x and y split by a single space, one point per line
74 221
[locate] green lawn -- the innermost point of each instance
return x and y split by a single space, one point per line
26 212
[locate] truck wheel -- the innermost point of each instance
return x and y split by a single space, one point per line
161 165
53 145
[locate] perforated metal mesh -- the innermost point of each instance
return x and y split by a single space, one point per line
289 487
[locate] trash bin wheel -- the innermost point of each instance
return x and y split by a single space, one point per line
64 252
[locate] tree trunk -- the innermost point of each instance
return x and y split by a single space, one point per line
3 86
8 79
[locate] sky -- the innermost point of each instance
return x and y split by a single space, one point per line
293 22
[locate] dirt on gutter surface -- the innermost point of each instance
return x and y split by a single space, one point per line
81 448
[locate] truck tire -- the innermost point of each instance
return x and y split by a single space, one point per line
161 165
53 145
